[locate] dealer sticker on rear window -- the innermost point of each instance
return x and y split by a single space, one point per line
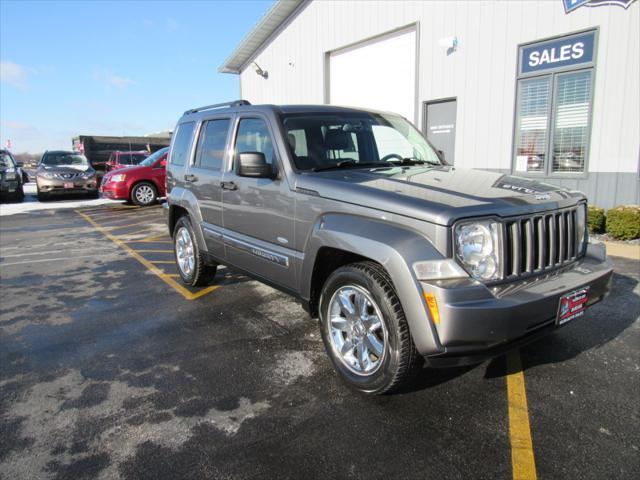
572 305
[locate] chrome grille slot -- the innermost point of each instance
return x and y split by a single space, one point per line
540 242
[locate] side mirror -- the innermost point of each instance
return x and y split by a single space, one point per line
441 154
162 163
253 164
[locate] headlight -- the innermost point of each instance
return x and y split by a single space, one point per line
118 178
87 175
581 216
478 248
46 175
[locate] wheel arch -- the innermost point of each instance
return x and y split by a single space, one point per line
183 202
334 241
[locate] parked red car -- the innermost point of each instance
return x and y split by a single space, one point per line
141 184
125 159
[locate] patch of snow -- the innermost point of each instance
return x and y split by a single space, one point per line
31 203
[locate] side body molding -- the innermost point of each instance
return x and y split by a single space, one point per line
395 247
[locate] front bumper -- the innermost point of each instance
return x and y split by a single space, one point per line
54 185
8 186
115 190
479 322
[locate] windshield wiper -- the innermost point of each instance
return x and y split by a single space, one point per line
350 164
416 161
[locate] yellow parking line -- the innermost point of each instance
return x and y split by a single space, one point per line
151 250
164 238
137 232
122 216
523 463
162 262
150 241
150 265
118 227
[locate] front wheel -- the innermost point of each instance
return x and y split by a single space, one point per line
19 195
193 269
144 194
364 329
42 197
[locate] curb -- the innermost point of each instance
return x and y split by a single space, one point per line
623 250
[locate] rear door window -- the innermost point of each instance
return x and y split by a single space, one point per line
212 144
182 143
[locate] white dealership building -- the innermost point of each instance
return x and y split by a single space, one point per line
546 89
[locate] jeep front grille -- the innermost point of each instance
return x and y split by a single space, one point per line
540 242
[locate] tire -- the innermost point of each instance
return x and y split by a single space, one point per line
18 196
144 194
387 363
42 197
193 269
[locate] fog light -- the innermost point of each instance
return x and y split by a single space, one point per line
432 305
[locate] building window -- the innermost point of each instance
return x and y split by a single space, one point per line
553 107
571 121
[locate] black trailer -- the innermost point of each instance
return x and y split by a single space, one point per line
97 149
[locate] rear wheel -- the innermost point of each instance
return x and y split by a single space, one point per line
144 194
364 329
193 269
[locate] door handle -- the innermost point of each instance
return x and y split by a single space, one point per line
190 178
228 185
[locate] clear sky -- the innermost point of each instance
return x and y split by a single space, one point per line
112 67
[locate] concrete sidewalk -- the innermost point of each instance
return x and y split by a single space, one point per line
624 250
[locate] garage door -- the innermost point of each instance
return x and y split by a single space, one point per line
379 74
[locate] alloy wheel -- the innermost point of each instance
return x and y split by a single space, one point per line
358 334
184 252
145 194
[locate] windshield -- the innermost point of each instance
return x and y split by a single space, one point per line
64 158
325 140
131 158
153 158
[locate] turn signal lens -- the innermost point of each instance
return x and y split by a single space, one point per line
432 305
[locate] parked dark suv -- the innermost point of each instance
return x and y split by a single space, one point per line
400 256
12 178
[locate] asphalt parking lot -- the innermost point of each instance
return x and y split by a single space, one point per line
110 369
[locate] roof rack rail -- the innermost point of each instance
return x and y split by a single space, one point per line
235 103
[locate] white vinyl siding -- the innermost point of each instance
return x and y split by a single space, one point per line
480 74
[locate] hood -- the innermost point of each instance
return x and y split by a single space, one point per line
130 169
65 168
439 195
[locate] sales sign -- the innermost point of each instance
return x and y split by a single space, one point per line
573 50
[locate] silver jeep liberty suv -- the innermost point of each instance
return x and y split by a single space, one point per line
402 257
